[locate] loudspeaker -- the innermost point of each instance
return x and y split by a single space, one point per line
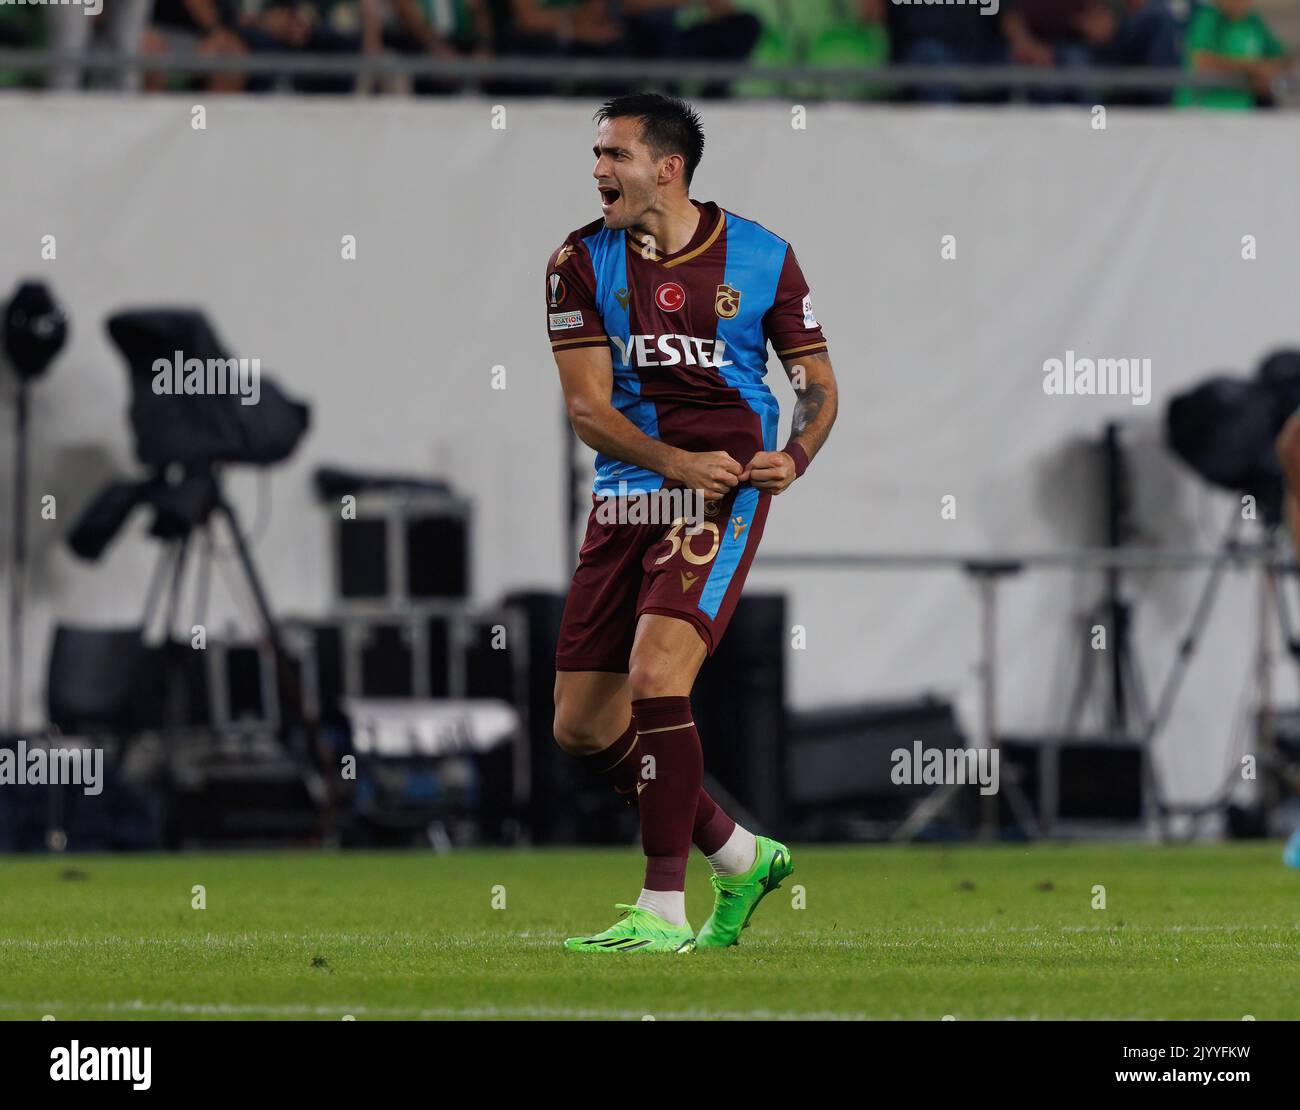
412 656
739 708
403 547
1095 780
315 663
844 756
565 805
437 552
496 655
107 680
387 661
242 679
97 679
238 785
363 558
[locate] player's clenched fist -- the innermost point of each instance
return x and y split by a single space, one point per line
714 472
772 471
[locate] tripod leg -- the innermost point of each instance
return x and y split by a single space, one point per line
926 810
989 692
19 577
292 711
1136 689
254 580
1187 646
1178 669
174 593
1083 682
161 574
1021 809
1271 603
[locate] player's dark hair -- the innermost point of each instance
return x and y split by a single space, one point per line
669 125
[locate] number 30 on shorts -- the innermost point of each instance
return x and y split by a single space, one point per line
682 542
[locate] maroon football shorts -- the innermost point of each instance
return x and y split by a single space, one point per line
625 570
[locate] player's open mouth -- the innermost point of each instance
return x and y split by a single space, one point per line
608 196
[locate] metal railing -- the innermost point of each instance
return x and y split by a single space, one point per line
619 72
1239 555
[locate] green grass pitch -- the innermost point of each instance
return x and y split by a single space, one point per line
884 932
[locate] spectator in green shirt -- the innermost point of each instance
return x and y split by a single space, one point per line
1226 36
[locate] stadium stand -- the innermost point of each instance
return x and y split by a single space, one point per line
357 46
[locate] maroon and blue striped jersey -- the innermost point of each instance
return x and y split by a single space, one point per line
688 332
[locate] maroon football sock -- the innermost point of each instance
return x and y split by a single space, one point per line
670 775
618 764
713 828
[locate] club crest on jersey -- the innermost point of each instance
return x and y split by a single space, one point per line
670 296
727 303
556 290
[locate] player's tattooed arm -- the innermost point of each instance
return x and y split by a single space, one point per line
587 377
816 400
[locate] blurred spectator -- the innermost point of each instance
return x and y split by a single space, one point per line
440 29
1228 37
923 34
323 27
209 28
1050 32
690 30
855 37
122 22
1090 33
839 34
22 27
549 28
1136 33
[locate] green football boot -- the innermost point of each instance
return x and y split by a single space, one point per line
736 897
638 930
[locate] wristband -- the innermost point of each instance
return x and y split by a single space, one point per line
795 450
